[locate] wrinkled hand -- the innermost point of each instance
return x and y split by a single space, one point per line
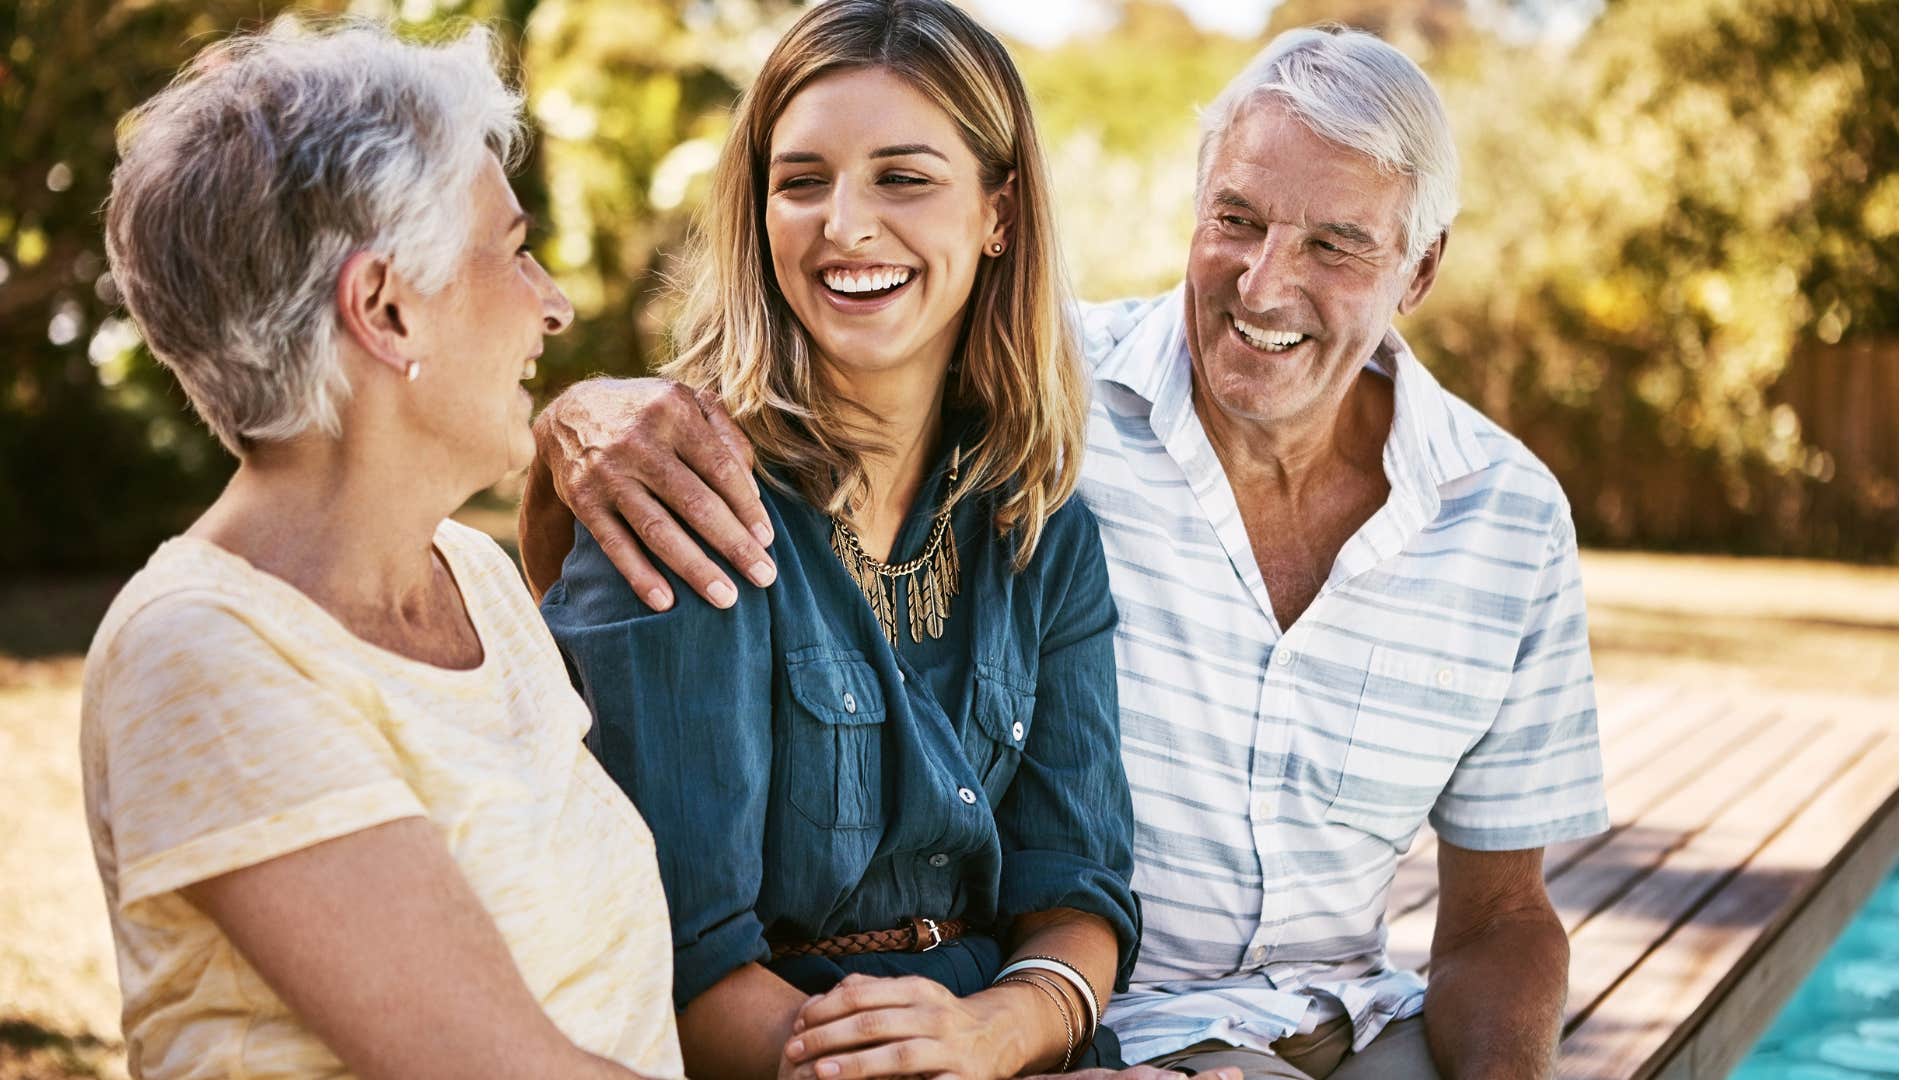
628 455
908 1026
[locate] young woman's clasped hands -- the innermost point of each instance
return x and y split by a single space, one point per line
869 1027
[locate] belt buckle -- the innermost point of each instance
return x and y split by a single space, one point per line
933 932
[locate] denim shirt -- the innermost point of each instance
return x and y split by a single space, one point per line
805 778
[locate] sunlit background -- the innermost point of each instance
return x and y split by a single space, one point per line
1673 277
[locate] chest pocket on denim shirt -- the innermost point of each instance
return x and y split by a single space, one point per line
1418 715
834 746
996 733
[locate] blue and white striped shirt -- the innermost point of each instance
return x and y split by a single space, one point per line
1442 673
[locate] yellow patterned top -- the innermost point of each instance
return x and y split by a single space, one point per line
227 720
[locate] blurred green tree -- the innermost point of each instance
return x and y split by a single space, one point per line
1661 222
100 456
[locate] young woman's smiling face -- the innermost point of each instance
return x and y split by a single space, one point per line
877 221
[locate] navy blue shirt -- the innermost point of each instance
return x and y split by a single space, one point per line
805 778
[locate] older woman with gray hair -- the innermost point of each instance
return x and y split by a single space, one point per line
334 773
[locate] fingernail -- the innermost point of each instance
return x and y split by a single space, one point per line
795 1049
763 533
761 573
721 593
659 599
828 1068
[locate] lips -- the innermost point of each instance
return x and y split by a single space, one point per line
864 288
1265 340
865 281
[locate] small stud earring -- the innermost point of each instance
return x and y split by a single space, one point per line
997 248
413 371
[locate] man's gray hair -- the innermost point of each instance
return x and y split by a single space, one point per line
274 157
1354 90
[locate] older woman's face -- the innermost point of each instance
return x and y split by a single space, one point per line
877 221
485 329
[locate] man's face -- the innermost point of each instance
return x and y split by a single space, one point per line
1295 269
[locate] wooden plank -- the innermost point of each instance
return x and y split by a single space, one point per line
1652 1011
1655 809
1773 971
1609 943
1695 731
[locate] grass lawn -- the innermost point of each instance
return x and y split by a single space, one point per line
1768 623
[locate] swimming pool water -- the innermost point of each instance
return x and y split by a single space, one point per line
1844 1021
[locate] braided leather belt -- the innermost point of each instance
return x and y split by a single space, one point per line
916 935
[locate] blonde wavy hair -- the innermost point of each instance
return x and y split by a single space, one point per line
1017 359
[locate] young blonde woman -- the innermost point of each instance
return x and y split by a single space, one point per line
891 780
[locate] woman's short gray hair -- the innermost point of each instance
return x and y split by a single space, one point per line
1357 91
246 185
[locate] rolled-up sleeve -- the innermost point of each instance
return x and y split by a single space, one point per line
1066 823
682 720
1534 778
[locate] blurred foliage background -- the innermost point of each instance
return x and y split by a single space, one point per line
1673 276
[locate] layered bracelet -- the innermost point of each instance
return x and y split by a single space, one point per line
1059 999
1066 971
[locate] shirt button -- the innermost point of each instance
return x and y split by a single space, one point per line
847 700
902 672
1444 676
1019 731
967 796
938 858
1267 808
1283 657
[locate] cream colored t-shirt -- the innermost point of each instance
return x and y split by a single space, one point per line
227 720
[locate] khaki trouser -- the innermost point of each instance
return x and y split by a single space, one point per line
1326 1053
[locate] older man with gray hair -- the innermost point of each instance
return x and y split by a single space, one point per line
1348 602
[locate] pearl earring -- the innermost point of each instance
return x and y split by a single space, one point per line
997 248
413 371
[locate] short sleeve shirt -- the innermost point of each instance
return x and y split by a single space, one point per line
1442 674
228 720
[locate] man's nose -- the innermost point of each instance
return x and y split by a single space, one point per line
1272 276
850 220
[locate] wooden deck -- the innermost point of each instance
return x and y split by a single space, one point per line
1747 830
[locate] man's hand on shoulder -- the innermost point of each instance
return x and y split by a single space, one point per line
632 459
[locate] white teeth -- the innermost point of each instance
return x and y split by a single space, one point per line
1269 340
846 281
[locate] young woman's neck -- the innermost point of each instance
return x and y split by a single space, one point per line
906 406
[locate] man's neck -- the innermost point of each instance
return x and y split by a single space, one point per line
1294 456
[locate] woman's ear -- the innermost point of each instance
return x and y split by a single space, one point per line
1001 211
378 310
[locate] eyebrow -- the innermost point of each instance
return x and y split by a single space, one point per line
1234 200
1350 232
803 157
906 150
1353 234
519 219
